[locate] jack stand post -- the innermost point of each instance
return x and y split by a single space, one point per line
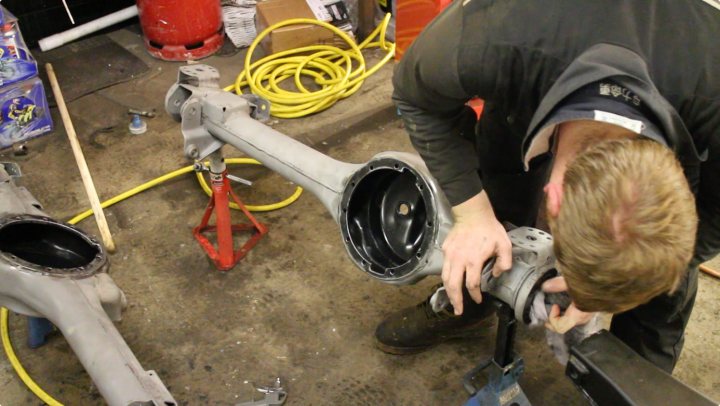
502 371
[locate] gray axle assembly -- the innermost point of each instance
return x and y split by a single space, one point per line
392 214
56 271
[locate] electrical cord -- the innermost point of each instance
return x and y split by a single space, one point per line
147 185
17 366
331 68
4 329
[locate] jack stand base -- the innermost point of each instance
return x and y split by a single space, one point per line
502 388
275 395
503 370
225 257
38 331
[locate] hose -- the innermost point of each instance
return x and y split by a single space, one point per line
147 185
330 67
265 207
17 366
4 329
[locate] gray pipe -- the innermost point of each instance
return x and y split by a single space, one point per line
315 172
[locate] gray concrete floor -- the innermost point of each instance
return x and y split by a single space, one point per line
295 307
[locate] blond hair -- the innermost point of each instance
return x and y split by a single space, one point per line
626 228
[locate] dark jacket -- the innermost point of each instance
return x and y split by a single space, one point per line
524 57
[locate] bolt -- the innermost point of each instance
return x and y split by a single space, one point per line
192 151
19 149
144 113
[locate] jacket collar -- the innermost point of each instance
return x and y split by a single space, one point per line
603 61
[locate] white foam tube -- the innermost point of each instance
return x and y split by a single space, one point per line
64 37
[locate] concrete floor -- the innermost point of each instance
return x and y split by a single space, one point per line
295 307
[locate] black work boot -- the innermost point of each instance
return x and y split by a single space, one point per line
418 328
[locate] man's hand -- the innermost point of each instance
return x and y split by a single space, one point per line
476 237
572 316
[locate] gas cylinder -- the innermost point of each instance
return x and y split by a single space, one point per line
412 16
178 30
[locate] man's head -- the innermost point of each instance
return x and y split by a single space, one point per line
625 229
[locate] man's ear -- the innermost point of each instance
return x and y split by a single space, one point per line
554 195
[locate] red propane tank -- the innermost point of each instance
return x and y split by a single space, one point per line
178 30
412 17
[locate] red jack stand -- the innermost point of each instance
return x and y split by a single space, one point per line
225 257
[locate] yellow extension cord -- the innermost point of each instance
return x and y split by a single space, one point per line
330 67
4 330
15 362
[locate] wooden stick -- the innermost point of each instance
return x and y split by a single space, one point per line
80 159
710 271
366 24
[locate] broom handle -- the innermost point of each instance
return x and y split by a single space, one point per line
82 165
710 271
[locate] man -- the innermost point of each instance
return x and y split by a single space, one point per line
611 106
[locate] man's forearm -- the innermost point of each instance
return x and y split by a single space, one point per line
443 141
430 97
477 206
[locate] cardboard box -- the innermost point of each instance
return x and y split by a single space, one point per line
16 62
271 12
24 112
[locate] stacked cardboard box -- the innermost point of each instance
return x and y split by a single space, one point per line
24 110
270 12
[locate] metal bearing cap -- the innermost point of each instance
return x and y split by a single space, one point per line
533 263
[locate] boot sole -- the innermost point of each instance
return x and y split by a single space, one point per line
397 350
393 350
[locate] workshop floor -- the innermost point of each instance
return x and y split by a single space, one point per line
295 307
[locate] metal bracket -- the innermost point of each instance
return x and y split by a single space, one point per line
197 97
274 395
199 76
260 108
198 141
